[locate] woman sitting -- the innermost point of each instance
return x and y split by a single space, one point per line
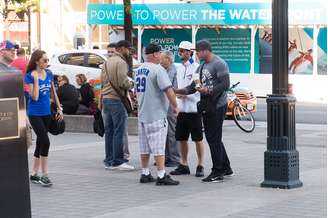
68 95
87 96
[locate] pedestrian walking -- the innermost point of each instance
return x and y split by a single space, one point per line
154 93
41 87
172 153
115 83
213 83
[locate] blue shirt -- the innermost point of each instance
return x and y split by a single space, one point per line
41 107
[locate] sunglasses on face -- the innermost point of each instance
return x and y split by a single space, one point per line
181 50
44 60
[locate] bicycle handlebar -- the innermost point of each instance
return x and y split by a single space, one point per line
234 85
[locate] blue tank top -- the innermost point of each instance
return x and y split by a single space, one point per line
41 107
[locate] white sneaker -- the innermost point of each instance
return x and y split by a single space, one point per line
109 168
124 166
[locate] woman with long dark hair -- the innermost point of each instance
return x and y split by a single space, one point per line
41 90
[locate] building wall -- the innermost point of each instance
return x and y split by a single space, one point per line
61 20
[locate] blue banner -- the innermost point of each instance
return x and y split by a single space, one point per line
204 14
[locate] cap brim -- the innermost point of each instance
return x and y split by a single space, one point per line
153 52
188 49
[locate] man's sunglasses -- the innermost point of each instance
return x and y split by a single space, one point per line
181 50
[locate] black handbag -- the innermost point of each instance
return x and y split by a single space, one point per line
98 124
56 126
125 99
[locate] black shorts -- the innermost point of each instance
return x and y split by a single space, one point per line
189 123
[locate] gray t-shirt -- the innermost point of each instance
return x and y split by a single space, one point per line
151 81
172 72
215 76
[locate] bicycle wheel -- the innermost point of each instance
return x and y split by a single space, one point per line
243 118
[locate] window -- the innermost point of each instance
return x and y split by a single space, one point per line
62 58
94 60
76 59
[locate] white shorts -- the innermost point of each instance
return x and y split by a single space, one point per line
152 137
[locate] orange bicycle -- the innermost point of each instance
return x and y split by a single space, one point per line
241 115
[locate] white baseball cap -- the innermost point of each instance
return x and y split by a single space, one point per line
186 45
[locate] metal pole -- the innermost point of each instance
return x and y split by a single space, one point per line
140 31
281 159
128 28
194 30
253 34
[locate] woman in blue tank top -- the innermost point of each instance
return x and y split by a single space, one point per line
40 81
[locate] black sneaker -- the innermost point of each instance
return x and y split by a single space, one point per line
228 173
199 171
45 181
213 177
171 164
181 170
166 180
35 179
146 179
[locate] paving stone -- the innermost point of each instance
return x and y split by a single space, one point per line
83 188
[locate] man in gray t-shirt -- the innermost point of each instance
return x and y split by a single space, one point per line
214 81
153 104
172 153
154 93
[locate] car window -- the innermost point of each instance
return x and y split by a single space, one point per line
62 58
94 60
72 59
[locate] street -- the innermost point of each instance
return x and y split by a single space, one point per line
311 113
83 188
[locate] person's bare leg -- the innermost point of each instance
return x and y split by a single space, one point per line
44 165
160 162
184 152
144 160
200 152
35 165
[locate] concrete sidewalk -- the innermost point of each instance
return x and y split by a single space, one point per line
83 188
